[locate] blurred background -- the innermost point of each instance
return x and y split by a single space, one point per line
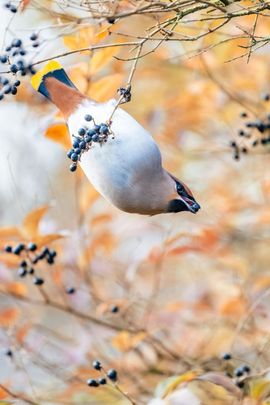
158 299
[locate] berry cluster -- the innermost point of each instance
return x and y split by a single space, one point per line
14 57
111 375
256 132
239 373
85 138
30 257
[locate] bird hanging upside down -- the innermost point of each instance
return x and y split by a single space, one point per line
127 170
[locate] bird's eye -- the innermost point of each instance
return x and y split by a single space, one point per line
179 188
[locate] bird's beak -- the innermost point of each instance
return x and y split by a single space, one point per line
191 204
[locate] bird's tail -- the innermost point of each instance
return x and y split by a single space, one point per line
51 69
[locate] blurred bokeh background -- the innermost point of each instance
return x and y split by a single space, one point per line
160 299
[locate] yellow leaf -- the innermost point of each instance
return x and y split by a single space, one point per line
105 88
101 58
170 384
82 39
32 220
259 388
58 132
10 232
46 239
125 341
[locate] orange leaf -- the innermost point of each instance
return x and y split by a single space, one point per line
105 88
8 316
9 260
22 332
58 132
10 232
32 220
3 394
46 239
101 58
24 4
16 288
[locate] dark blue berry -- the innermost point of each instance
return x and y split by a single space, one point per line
13 9
33 36
14 68
112 375
7 5
16 43
102 381
69 153
1 96
22 52
78 151
95 138
8 249
91 132
74 157
38 281
9 353
17 83
14 90
96 365
50 260
238 372
82 145
23 72
246 369
88 117
104 129
96 128
32 69
8 48
23 264
76 143
70 290
81 131
18 249
88 138
5 81
92 383
73 167
45 251
114 309
3 58
31 270
22 272
32 247
35 44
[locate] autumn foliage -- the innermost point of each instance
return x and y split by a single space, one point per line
176 303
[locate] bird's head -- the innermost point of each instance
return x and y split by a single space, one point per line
182 198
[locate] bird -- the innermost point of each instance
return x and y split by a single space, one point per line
127 170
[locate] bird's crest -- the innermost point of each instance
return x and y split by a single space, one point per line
51 69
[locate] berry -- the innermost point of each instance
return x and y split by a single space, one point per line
236 156
82 145
32 247
81 131
74 157
5 81
112 374
266 97
22 52
95 138
241 132
102 381
8 49
92 383
32 69
96 365
33 36
78 151
246 369
69 153
14 90
13 9
1 96
240 384
73 167
104 129
3 58
23 72
88 138
227 356
38 281
7 5
8 249
35 44
16 43
76 143
255 143
50 260
244 150
88 117
14 68
96 128
31 270
91 132
23 263
7 89
238 372
17 83
111 20
233 144
9 353
70 290
22 272
243 114
18 249
114 309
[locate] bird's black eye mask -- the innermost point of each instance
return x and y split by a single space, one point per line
180 189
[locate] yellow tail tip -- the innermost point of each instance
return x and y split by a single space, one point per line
38 77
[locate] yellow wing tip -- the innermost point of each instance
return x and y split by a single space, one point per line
38 77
